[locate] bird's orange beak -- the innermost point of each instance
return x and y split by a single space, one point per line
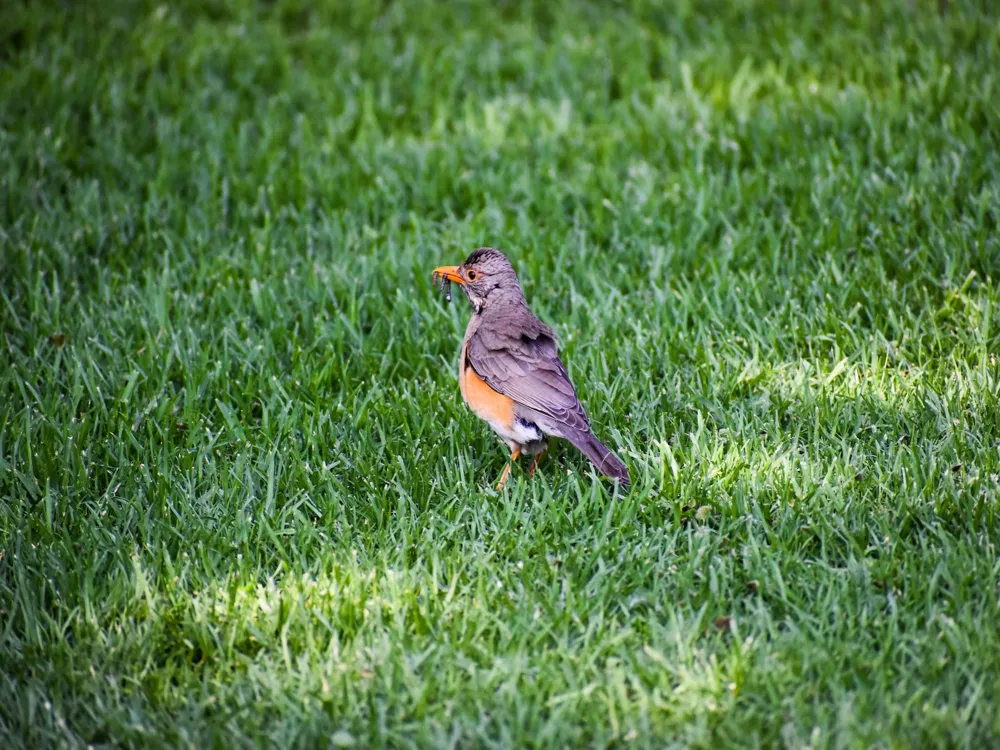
448 272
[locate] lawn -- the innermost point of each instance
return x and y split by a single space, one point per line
242 502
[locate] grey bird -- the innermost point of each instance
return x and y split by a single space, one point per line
510 373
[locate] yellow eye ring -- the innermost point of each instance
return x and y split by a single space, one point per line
470 275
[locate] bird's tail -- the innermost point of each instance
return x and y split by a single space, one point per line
606 462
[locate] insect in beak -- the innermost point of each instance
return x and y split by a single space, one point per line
446 275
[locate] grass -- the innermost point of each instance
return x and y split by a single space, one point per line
242 503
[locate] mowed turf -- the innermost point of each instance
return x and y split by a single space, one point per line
242 503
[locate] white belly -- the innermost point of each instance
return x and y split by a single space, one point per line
520 432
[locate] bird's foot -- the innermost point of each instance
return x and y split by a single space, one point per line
503 477
506 469
534 463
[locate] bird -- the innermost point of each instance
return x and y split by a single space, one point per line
509 371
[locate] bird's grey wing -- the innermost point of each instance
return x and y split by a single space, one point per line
525 365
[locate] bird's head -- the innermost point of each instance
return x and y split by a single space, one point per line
485 273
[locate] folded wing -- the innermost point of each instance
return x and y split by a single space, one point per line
525 366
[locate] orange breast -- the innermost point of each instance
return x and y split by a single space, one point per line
489 405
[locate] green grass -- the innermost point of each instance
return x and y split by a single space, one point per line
242 503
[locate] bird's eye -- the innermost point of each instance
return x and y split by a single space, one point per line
471 275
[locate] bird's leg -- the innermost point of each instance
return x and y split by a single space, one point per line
534 464
506 469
